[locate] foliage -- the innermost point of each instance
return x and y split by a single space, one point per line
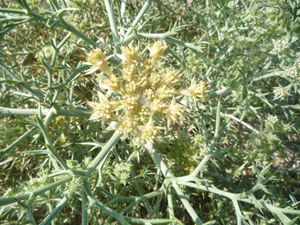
149 112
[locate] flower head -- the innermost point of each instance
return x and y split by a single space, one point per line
104 109
279 45
154 80
157 51
127 124
149 132
122 171
171 78
195 90
173 112
281 92
292 72
130 53
113 84
271 121
142 91
164 92
156 106
130 103
129 71
98 60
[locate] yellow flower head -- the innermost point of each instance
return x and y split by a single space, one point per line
130 53
98 60
149 132
143 92
104 109
171 78
173 112
195 90
157 51
113 84
127 124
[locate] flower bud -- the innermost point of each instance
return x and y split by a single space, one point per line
281 92
104 108
170 78
130 54
195 90
174 111
148 132
157 51
279 45
98 60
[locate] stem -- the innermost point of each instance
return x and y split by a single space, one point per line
113 24
84 210
73 76
16 142
23 84
168 174
201 164
56 211
212 145
102 154
75 31
139 17
50 206
123 10
30 112
7 201
106 209
16 11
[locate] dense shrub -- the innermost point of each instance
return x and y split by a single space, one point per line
149 112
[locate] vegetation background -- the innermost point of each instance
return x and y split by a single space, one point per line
232 159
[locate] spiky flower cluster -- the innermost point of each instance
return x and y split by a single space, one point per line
144 92
293 72
281 92
122 171
271 121
279 45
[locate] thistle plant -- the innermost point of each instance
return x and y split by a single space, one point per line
149 112
143 92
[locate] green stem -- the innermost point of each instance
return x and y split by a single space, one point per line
223 91
102 154
23 84
113 24
16 142
16 11
50 205
170 203
7 201
30 112
168 174
74 74
123 10
139 17
201 164
242 122
54 156
84 218
106 209
56 211
141 192
75 31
